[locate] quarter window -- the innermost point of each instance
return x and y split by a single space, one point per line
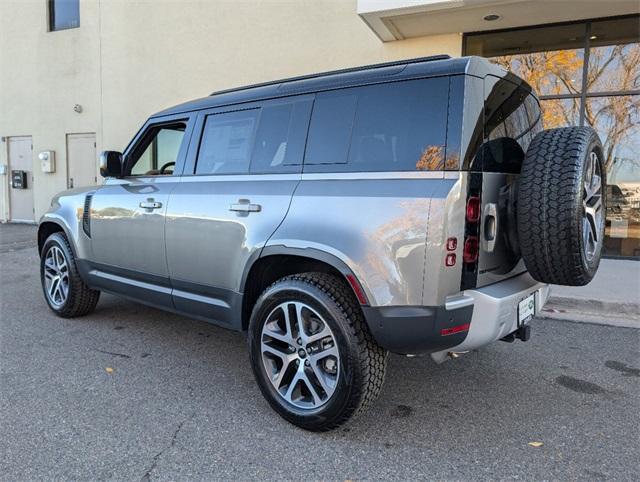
398 126
64 14
226 142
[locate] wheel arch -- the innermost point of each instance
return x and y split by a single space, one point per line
275 262
47 227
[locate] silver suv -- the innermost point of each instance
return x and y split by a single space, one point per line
412 207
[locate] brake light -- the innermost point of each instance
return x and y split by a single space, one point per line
473 209
452 244
470 252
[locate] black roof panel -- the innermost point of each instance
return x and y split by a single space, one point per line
404 69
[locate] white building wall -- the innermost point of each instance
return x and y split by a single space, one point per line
130 59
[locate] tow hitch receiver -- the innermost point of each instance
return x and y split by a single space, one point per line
522 333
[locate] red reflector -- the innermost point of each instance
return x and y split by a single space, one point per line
452 244
473 209
357 289
450 260
470 253
455 329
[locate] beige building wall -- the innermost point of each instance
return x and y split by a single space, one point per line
132 58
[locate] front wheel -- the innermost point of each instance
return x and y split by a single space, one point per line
64 290
312 354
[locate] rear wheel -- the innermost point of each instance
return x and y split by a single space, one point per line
311 352
561 206
64 290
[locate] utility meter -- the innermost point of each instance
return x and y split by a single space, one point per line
47 161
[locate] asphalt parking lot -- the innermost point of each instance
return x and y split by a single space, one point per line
134 393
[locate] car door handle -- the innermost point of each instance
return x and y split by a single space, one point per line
150 204
244 206
490 227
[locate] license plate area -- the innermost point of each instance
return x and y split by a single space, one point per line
526 309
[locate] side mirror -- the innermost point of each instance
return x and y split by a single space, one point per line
111 164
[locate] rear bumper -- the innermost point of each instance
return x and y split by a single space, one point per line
490 312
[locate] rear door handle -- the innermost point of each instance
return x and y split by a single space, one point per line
245 206
490 227
150 204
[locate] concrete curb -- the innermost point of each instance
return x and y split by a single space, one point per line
597 312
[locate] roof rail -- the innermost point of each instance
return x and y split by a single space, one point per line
333 72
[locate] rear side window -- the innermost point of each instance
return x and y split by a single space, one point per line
397 126
281 136
226 143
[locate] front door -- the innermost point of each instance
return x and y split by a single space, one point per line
21 179
128 215
81 160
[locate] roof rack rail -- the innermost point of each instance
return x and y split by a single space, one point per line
333 72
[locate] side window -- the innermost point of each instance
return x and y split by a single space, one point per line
158 153
398 126
226 143
511 111
330 128
281 137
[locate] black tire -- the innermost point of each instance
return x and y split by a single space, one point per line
551 206
80 299
362 361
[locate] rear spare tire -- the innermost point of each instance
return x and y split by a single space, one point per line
561 206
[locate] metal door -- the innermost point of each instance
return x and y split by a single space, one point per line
220 219
81 160
128 216
21 207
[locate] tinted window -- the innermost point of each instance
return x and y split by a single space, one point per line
226 143
511 111
330 129
64 14
159 150
396 127
281 136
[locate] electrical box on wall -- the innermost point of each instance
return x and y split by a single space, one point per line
3 169
47 161
19 179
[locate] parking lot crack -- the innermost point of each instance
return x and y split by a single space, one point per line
147 476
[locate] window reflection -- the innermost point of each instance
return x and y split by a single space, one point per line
614 68
617 121
549 73
560 112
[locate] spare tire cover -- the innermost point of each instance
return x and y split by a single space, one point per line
561 206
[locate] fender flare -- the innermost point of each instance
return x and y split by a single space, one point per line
54 219
310 253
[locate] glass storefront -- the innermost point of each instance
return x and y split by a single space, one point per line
586 73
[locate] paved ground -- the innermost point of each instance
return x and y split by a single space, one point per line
181 402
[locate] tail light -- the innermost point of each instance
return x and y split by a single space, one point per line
473 209
470 252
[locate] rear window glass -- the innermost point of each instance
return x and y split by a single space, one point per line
397 126
281 137
226 144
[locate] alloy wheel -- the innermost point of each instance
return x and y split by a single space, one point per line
300 355
56 276
592 202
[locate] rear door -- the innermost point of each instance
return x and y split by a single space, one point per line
241 176
511 120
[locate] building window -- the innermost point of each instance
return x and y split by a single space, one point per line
64 14
586 73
